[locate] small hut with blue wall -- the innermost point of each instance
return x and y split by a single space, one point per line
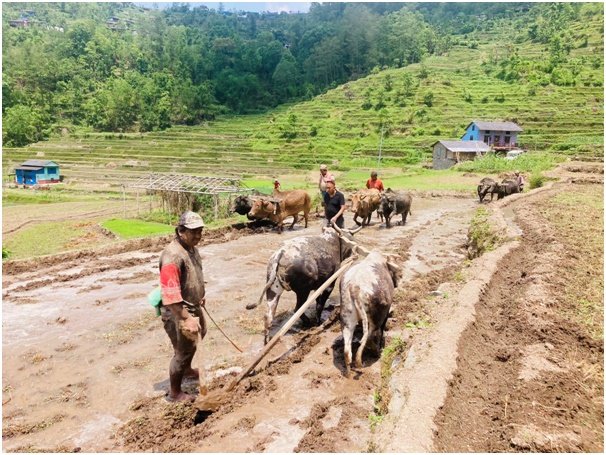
37 172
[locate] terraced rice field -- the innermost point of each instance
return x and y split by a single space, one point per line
335 128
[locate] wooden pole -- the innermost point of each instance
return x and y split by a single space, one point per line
268 347
124 200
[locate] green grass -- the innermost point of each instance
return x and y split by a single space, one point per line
132 228
42 239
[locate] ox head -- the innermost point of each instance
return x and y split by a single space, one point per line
388 203
241 205
338 233
395 270
261 208
358 200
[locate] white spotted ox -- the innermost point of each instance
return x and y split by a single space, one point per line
301 265
367 290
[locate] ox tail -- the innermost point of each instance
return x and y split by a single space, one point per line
270 281
364 318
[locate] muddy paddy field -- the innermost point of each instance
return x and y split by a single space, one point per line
85 360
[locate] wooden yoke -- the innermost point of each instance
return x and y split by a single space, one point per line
357 248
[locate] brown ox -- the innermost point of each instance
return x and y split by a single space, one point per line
363 203
291 204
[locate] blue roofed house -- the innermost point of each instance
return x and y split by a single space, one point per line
37 172
448 153
500 136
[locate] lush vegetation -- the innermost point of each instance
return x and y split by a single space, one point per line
399 110
119 67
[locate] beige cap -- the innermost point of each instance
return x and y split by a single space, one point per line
191 220
323 167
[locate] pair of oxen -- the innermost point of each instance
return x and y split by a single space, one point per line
303 264
364 202
507 187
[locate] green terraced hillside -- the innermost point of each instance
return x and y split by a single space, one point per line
413 106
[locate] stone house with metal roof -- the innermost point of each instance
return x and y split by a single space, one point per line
448 153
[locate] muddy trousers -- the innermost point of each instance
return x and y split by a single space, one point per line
184 348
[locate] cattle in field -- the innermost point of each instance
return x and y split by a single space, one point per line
242 205
506 188
487 185
367 290
395 203
278 209
363 203
301 265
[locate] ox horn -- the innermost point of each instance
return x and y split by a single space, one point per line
355 231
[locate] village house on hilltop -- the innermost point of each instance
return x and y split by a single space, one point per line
480 137
498 135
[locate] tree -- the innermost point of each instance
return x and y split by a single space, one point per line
22 125
285 78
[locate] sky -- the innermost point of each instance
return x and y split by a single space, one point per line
275 7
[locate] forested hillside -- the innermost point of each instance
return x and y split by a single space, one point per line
118 67
89 70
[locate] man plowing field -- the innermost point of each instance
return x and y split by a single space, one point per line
182 287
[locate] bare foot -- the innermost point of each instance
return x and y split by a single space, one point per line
181 396
192 373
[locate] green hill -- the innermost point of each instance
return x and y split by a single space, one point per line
491 74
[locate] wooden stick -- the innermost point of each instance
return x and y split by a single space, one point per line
268 347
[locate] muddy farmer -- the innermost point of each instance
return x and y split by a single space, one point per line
182 288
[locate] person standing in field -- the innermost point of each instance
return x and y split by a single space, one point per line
374 182
324 177
520 181
334 204
182 289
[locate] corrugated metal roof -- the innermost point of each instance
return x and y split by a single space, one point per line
465 146
496 126
42 163
29 168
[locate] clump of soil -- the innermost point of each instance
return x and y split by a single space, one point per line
318 437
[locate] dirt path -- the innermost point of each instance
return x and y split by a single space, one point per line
530 368
84 356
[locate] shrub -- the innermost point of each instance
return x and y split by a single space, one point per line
499 98
5 253
423 74
536 180
467 96
484 100
481 237
428 99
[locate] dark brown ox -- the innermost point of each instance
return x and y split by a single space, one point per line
363 203
277 210
367 290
